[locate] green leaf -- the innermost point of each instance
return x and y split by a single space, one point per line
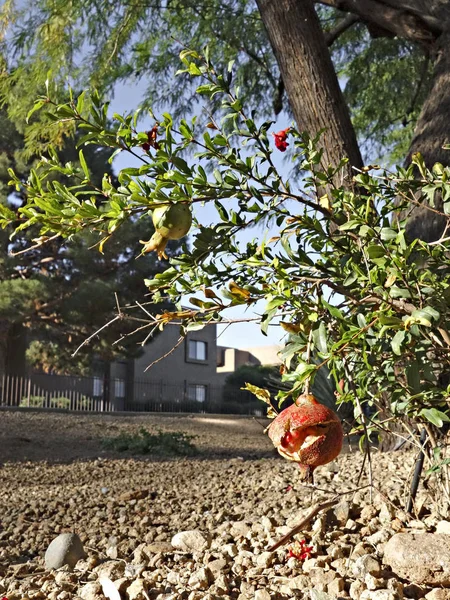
320 338
375 251
334 312
397 342
387 234
435 416
413 376
83 164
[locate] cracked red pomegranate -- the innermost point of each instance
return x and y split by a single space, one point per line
307 432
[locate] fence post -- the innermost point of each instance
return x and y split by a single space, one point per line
29 393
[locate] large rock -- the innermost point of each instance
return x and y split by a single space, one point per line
66 549
422 558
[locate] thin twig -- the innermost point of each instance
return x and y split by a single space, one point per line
87 340
180 340
316 509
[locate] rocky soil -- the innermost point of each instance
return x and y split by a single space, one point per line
199 527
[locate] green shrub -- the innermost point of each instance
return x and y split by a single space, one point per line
43 402
161 443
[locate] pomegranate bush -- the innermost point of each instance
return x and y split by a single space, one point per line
340 275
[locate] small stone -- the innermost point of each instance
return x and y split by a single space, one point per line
378 595
173 577
351 525
395 586
111 569
366 564
318 595
335 587
137 590
158 547
356 589
309 564
230 550
262 595
267 523
217 566
66 549
368 512
133 495
373 583
443 527
387 513
341 512
91 591
264 559
201 579
240 529
380 537
191 541
438 594
221 583
321 577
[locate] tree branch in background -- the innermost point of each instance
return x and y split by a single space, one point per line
347 22
402 21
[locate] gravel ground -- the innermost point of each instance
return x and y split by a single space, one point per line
135 516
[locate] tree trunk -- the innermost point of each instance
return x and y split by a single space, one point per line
5 327
431 133
308 74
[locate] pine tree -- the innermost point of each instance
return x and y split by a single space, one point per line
59 295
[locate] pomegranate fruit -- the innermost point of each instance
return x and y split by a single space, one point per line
171 222
308 433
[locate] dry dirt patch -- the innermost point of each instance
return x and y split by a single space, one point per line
64 437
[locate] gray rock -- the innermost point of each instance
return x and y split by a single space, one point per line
421 558
191 541
66 549
364 565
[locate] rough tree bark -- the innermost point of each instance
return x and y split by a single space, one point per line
312 87
310 80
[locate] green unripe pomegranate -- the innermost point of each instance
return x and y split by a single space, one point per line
173 221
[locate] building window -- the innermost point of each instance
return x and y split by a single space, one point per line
197 393
196 350
119 388
98 386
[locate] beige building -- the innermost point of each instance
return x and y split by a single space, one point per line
186 375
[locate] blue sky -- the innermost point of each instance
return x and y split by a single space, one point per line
236 335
